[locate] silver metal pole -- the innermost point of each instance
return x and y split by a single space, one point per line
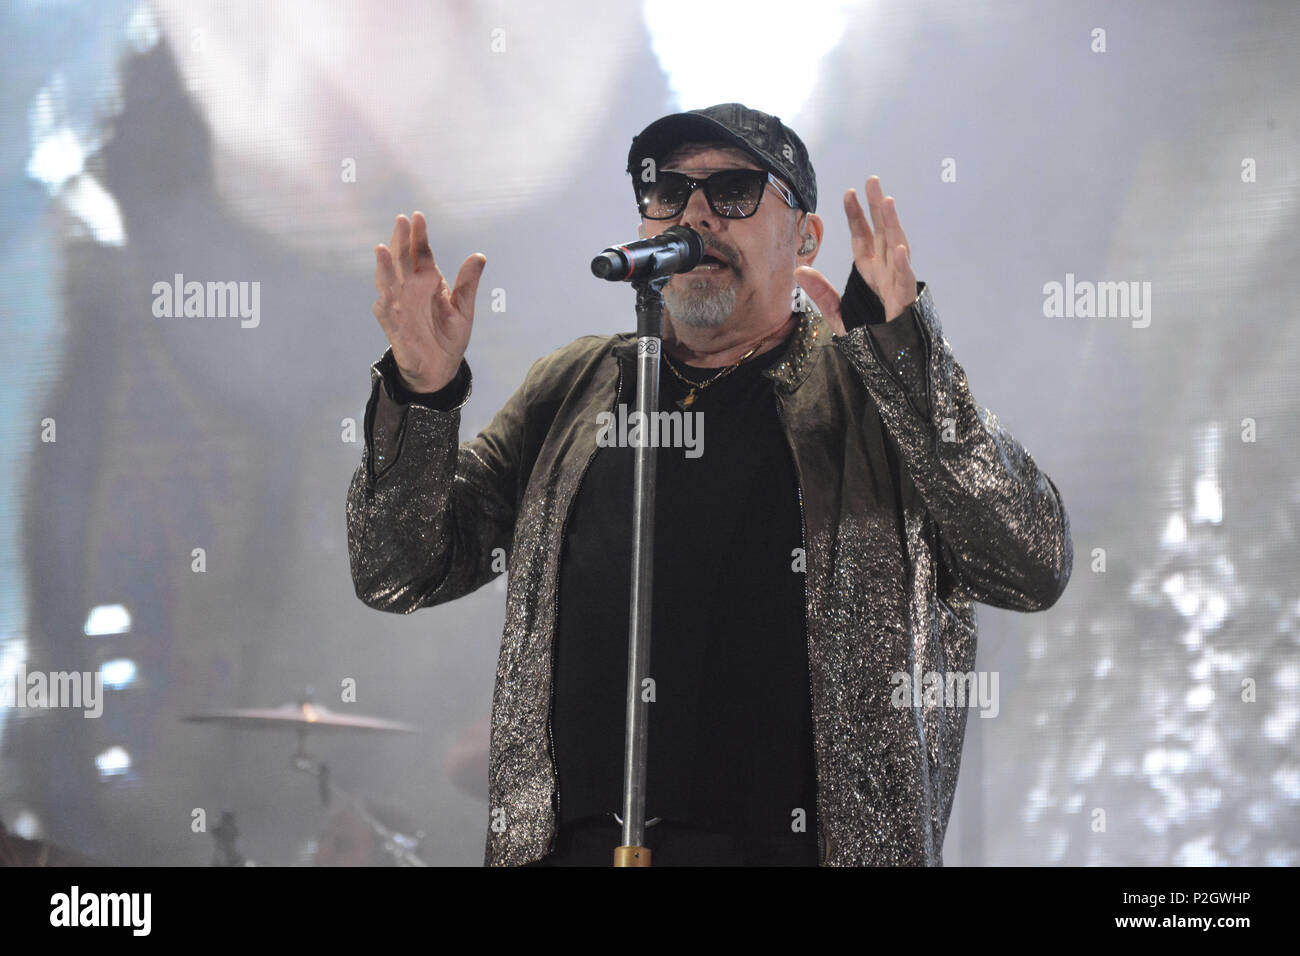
649 344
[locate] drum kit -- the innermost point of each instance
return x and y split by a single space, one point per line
303 718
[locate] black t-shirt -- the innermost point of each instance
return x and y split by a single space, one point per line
730 731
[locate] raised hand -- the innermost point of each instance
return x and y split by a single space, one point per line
427 322
882 256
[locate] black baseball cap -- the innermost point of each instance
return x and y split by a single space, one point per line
772 144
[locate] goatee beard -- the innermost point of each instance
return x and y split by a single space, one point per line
701 307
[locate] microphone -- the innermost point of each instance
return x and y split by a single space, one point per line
676 249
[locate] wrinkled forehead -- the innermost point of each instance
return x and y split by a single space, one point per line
716 153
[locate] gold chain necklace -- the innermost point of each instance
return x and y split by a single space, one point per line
689 400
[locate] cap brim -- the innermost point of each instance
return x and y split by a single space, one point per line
663 135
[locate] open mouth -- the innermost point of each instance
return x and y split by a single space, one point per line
711 263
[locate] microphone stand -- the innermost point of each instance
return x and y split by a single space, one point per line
649 342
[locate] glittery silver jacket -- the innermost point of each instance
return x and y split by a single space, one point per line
978 521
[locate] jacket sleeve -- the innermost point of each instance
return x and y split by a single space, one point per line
425 515
1003 531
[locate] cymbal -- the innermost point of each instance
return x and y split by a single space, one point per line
300 717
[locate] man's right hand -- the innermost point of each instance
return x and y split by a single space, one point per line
427 323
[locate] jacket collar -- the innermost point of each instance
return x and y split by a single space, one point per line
794 365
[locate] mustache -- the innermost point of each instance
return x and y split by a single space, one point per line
713 247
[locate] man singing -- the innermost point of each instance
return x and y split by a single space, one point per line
813 564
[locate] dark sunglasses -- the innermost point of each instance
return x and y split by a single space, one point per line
732 193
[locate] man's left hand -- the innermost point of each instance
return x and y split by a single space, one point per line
881 255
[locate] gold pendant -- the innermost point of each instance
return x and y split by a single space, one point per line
688 401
